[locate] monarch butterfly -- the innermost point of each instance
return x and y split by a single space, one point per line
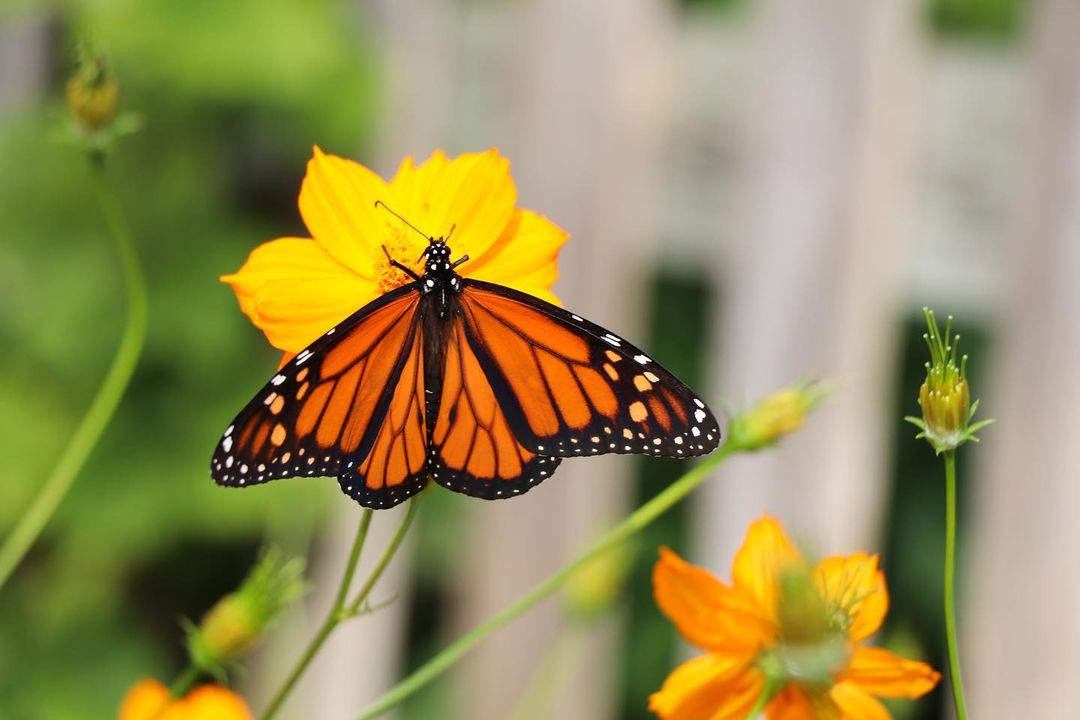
479 387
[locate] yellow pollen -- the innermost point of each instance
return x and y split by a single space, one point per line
404 248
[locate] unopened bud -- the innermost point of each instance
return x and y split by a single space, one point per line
238 620
91 92
944 397
597 584
777 414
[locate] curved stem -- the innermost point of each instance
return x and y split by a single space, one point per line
108 397
339 612
633 523
950 586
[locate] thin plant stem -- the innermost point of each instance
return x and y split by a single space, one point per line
356 607
108 397
183 684
632 524
339 612
762 701
354 559
332 618
950 587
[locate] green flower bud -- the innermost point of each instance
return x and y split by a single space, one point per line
91 92
777 414
597 585
944 396
237 621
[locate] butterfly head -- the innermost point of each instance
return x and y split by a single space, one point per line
438 257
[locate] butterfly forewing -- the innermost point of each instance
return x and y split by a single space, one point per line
569 387
321 413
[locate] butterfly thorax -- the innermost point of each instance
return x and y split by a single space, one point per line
439 277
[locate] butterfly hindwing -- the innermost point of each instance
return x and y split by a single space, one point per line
569 387
395 466
474 450
323 412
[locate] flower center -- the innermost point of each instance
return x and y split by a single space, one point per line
405 249
813 641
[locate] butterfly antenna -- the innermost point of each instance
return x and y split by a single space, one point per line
384 206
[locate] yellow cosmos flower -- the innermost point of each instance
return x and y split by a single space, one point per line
149 700
784 627
294 289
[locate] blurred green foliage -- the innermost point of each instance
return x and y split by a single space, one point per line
991 19
233 97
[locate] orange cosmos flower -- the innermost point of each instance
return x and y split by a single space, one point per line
293 289
783 627
149 700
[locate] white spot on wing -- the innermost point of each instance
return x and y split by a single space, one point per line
227 443
642 359
277 380
700 415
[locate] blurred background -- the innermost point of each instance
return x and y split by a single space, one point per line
759 191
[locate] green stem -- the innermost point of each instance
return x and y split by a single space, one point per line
763 700
101 410
332 618
183 684
950 586
339 612
354 559
356 606
633 523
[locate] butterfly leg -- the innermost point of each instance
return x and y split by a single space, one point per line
394 263
460 260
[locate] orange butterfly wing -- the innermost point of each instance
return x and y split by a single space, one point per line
569 387
350 404
474 449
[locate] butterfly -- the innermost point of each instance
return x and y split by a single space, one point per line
476 386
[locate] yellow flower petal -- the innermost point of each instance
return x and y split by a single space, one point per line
857 704
705 611
524 257
294 292
855 584
473 193
885 674
337 202
709 687
765 553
